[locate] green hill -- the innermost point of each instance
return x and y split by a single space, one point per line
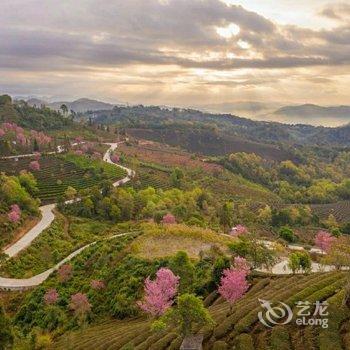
241 329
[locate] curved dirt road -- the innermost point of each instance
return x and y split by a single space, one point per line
47 216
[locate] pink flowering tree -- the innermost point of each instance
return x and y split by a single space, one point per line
238 230
97 285
115 158
233 283
51 297
34 165
241 264
65 273
160 293
324 240
21 139
80 305
169 219
40 137
2 132
15 213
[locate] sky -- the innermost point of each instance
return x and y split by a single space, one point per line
177 52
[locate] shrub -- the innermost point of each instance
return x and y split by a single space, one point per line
287 234
245 342
219 345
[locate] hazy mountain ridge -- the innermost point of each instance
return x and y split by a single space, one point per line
279 112
81 105
312 114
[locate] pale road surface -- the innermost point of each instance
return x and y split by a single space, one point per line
47 216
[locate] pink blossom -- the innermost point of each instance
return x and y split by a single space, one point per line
16 208
78 152
233 284
37 155
169 219
115 158
21 139
78 139
14 216
160 293
19 130
51 297
324 240
34 165
2 132
241 264
65 272
97 284
40 137
238 230
9 126
80 304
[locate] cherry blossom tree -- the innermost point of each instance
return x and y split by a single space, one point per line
160 293
40 137
97 285
21 139
169 219
2 132
65 272
51 297
241 264
115 158
9 126
34 165
324 240
238 230
19 130
15 213
234 282
79 303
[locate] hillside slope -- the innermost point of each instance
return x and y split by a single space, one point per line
240 329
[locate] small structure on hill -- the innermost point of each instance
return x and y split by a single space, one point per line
192 342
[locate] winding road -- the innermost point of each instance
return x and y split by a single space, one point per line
47 217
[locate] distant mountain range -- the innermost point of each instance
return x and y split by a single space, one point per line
81 105
292 114
312 114
265 111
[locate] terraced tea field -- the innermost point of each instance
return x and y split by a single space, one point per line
341 210
150 177
57 173
240 329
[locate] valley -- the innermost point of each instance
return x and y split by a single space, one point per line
115 205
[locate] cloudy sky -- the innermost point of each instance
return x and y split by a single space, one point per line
177 52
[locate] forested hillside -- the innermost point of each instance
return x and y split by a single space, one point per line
141 117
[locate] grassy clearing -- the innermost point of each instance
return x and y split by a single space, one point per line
165 240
